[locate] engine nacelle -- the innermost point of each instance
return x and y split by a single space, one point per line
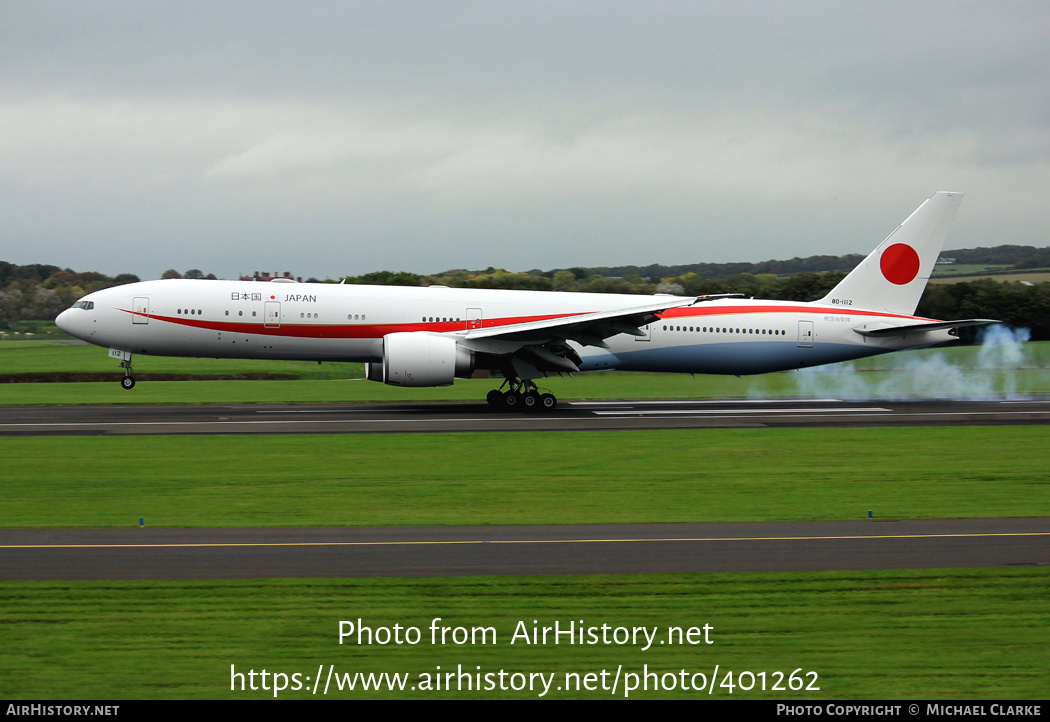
423 359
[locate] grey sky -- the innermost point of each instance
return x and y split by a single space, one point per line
345 137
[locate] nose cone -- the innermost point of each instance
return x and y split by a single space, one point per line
65 322
76 322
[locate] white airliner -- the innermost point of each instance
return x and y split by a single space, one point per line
430 336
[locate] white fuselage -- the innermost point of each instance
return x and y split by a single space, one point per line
329 322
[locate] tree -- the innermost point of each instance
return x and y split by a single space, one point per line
564 281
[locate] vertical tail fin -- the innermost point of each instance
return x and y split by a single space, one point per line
892 278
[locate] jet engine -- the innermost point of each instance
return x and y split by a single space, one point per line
421 359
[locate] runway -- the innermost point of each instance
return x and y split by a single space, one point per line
474 417
517 550
465 551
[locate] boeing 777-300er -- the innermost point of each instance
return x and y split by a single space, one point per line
430 336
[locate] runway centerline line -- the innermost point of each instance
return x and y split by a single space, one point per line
439 542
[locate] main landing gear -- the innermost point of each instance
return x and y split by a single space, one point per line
128 382
520 396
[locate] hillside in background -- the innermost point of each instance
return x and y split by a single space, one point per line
40 292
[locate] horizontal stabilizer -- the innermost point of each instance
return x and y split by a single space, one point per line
923 327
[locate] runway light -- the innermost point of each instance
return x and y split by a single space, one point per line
142 522
869 514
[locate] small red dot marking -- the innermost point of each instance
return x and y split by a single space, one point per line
900 264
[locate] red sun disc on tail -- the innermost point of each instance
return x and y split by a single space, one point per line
900 264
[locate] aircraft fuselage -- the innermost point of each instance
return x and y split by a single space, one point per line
329 322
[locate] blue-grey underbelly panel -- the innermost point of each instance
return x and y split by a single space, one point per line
753 357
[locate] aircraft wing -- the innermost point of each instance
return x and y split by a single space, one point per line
923 327
588 329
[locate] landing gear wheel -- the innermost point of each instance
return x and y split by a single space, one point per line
531 401
128 382
511 401
495 398
548 401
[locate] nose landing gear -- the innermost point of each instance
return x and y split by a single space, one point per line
128 382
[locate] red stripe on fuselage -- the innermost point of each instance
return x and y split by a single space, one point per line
703 311
347 330
351 330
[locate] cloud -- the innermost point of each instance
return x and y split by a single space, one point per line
512 134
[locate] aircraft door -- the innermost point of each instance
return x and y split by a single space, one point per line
646 331
273 314
141 308
473 318
805 334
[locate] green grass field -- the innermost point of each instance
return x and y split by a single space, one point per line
968 269
1032 276
937 634
31 330
36 356
514 478
965 273
945 634
930 634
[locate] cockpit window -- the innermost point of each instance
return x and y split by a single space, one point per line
86 305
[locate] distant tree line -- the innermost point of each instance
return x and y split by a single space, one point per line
1017 257
1017 304
192 273
1013 257
41 292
